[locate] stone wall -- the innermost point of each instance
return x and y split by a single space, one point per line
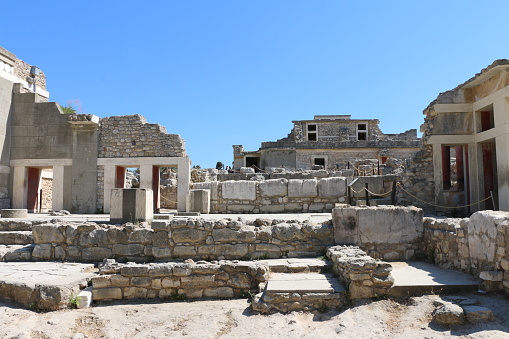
223 279
388 232
276 195
169 197
180 238
363 276
475 245
131 136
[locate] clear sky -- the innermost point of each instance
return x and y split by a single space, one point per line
221 73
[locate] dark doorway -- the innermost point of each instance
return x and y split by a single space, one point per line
253 162
489 173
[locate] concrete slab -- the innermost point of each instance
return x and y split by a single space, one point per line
303 283
411 278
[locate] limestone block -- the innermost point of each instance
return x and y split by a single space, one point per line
97 237
107 293
477 314
287 232
131 205
241 280
141 281
188 235
198 200
160 225
184 251
84 298
42 251
128 250
48 233
134 270
218 292
135 292
101 281
232 251
119 281
191 293
274 188
332 187
239 190
212 186
482 230
449 314
142 236
492 275
302 188
194 281
14 213
160 270
170 282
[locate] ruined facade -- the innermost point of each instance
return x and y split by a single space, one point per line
88 156
330 142
466 128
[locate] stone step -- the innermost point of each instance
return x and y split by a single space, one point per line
45 286
18 225
287 292
16 237
419 278
16 252
296 265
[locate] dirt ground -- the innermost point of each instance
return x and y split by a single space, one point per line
234 319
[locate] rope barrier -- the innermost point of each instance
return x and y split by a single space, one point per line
427 203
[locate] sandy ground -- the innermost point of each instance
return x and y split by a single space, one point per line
234 319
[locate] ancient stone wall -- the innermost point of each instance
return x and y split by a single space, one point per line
475 245
224 279
180 238
388 232
169 197
363 276
131 136
275 195
22 71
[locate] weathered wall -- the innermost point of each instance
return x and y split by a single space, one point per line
180 238
131 136
364 276
388 232
276 195
474 245
225 279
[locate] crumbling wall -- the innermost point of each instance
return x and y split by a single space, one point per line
172 280
276 195
169 197
180 238
474 245
364 276
131 136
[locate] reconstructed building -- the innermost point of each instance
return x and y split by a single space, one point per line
330 142
88 156
468 129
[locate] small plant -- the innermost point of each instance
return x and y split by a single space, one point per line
73 106
381 296
323 308
33 306
74 301
177 296
284 253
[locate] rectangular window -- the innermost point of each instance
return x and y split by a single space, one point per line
311 132
362 132
319 161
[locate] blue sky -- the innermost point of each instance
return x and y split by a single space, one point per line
221 73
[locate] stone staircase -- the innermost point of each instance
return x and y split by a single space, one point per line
299 284
16 240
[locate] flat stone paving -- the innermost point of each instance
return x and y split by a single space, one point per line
417 277
31 274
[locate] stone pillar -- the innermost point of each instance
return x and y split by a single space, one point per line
57 194
198 200
438 176
19 188
183 182
110 172
146 176
501 112
131 205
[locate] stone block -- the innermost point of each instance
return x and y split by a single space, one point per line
84 298
274 188
48 233
101 281
232 251
135 270
42 251
477 314
302 188
492 275
449 314
188 235
96 253
107 293
131 205
332 187
141 281
194 281
239 190
198 200
128 250
218 292
184 251
119 281
170 282
135 292
14 213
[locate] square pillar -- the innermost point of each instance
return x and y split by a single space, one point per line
57 194
438 176
183 182
19 187
110 177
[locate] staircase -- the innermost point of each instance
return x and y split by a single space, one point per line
299 285
16 240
